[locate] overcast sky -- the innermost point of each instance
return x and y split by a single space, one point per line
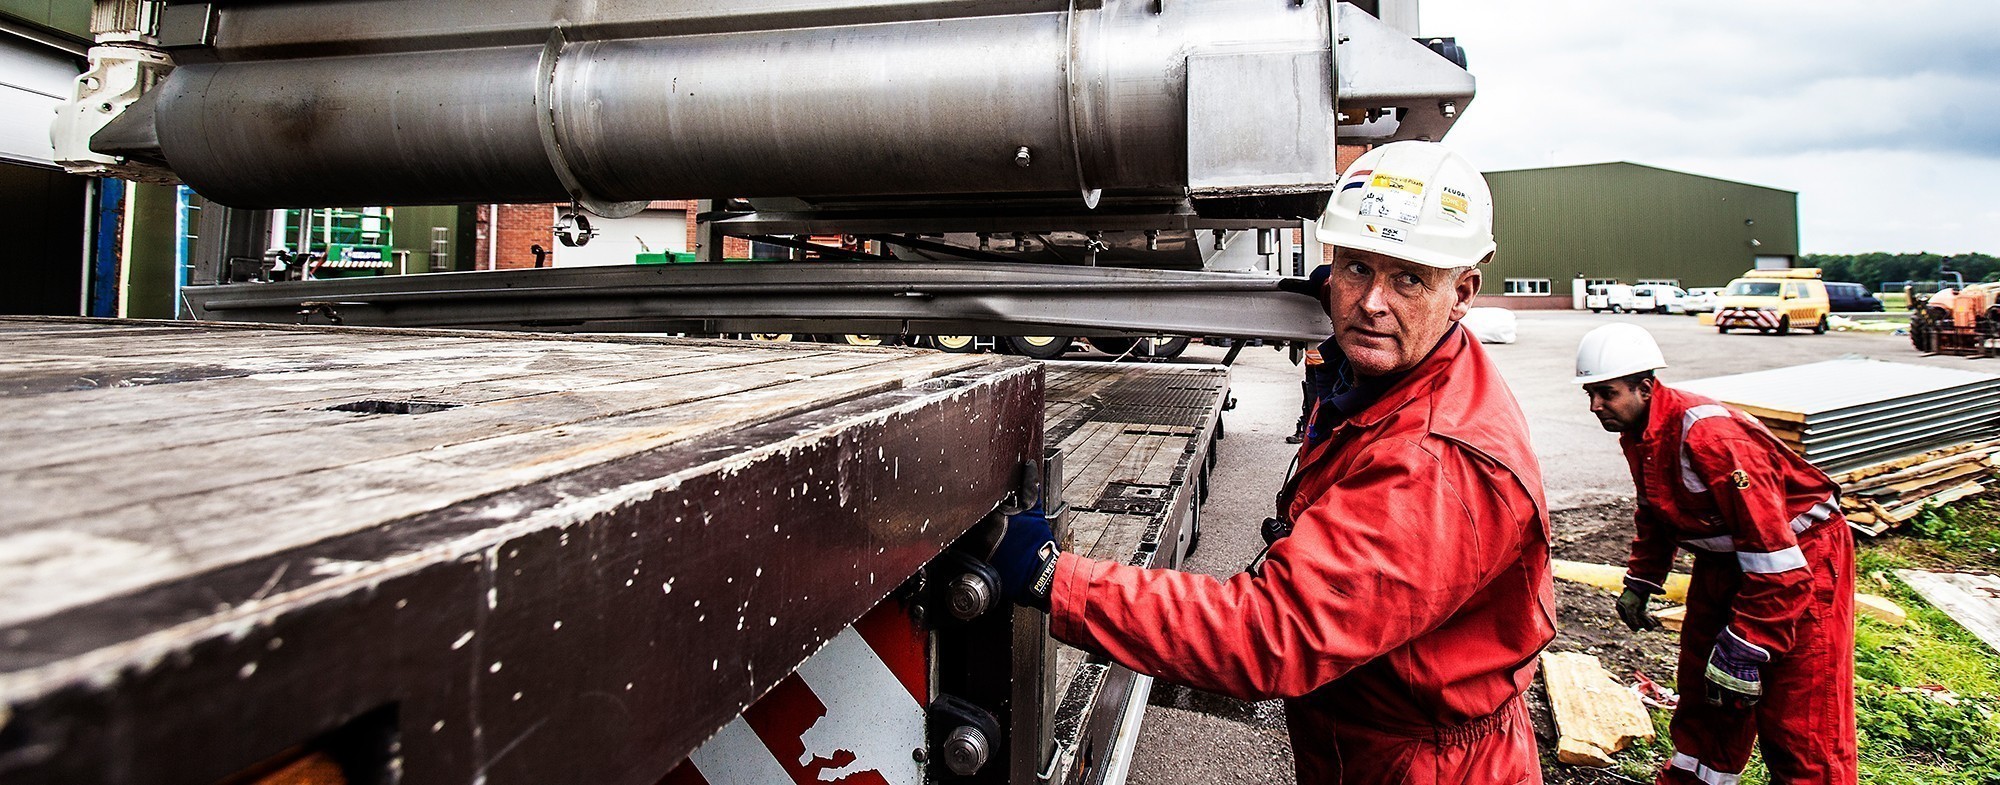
1884 117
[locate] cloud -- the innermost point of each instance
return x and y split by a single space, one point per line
1831 99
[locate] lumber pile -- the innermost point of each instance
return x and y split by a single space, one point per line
1594 715
1885 495
1898 438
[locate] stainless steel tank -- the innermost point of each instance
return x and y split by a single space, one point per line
617 102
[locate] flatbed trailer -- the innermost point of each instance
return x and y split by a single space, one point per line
451 556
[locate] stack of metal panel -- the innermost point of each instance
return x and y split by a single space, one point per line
1842 414
1897 437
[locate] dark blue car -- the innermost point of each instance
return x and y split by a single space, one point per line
1850 298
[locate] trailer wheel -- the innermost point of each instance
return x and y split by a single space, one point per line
772 337
956 344
1114 346
864 340
1167 348
1040 347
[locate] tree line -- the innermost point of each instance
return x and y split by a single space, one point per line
1875 269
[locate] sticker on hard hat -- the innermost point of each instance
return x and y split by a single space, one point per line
1399 199
1454 204
1390 233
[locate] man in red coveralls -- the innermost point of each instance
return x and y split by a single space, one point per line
1401 618
1769 635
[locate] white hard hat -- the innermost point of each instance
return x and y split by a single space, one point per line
1616 350
1415 201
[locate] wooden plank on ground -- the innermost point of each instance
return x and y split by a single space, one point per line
1595 716
1971 599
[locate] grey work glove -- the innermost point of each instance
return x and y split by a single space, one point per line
1632 609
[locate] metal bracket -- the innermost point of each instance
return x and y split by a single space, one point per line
572 229
552 142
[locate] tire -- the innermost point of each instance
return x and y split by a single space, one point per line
955 344
771 337
1721 330
1785 325
1823 326
1167 348
1040 347
864 340
1597 310
1617 309
1113 346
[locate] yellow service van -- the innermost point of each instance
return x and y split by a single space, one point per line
1774 301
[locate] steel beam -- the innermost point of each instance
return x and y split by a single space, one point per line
882 297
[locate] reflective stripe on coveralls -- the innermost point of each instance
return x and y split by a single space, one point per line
1703 773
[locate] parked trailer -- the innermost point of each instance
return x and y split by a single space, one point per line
455 556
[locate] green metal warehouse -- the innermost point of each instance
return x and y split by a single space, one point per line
1629 223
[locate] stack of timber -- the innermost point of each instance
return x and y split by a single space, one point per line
1885 495
1898 438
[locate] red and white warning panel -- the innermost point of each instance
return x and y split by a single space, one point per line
851 714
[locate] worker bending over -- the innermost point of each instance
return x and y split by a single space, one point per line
1769 635
1401 619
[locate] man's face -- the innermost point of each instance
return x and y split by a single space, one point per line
1388 313
1621 405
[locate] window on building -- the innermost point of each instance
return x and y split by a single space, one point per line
1660 281
1527 286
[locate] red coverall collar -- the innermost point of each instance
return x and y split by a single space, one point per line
1416 381
1663 416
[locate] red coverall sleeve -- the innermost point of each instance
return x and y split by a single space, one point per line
1749 487
1388 553
1652 553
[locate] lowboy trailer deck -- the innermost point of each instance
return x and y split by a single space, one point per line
255 551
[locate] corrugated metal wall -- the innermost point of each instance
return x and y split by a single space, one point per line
1632 222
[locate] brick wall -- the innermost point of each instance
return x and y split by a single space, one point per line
524 226
508 243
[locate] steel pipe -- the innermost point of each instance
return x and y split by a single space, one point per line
926 104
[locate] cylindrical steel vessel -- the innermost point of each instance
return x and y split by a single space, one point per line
1033 103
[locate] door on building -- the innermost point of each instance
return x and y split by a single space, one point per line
41 209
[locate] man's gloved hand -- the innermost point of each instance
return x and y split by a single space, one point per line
1735 677
1025 557
1632 608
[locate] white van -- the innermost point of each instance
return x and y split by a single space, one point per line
1617 298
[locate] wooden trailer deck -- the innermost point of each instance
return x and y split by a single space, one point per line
1137 442
525 558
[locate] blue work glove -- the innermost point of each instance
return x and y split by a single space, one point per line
1025 557
1734 675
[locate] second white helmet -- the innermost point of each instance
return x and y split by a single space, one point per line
1415 201
1616 350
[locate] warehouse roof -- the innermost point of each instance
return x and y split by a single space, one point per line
1640 166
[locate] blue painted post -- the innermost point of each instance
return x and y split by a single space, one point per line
107 248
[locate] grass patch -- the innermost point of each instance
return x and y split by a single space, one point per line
1906 736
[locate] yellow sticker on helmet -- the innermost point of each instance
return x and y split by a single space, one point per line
1392 198
1454 204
